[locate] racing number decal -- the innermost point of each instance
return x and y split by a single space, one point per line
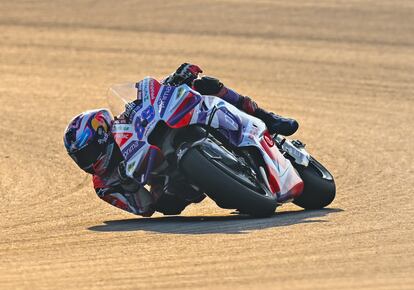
141 122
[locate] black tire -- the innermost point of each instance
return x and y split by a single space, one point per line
319 190
220 184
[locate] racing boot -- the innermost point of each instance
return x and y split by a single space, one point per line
276 124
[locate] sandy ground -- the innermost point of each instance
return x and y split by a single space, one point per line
344 69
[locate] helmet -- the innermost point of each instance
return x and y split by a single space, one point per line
89 142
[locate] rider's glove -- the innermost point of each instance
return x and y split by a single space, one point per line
209 86
123 177
185 74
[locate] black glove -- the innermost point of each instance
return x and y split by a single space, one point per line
208 86
185 74
123 177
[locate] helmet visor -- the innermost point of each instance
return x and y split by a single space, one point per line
87 156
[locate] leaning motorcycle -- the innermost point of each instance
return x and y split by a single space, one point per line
228 154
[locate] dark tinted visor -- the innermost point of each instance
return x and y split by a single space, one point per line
88 155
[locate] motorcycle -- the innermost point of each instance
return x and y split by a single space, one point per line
174 131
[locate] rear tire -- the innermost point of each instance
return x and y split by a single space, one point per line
223 186
319 186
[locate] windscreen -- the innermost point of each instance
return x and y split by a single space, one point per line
119 95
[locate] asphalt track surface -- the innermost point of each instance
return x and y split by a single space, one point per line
343 69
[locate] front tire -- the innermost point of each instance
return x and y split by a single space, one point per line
205 165
319 186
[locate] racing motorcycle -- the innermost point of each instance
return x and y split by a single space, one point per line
228 154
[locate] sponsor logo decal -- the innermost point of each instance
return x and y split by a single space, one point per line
139 90
102 136
121 127
142 90
145 90
154 87
122 138
131 166
131 109
180 93
132 148
166 93
101 127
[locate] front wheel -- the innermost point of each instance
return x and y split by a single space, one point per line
226 180
319 186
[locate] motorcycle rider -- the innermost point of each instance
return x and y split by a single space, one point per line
90 143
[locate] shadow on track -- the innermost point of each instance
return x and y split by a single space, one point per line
233 224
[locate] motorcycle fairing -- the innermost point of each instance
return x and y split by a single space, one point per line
244 130
181 106
153 102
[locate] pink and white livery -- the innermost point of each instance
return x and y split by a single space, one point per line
228 154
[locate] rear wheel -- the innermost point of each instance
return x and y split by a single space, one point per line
230 182
319 190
